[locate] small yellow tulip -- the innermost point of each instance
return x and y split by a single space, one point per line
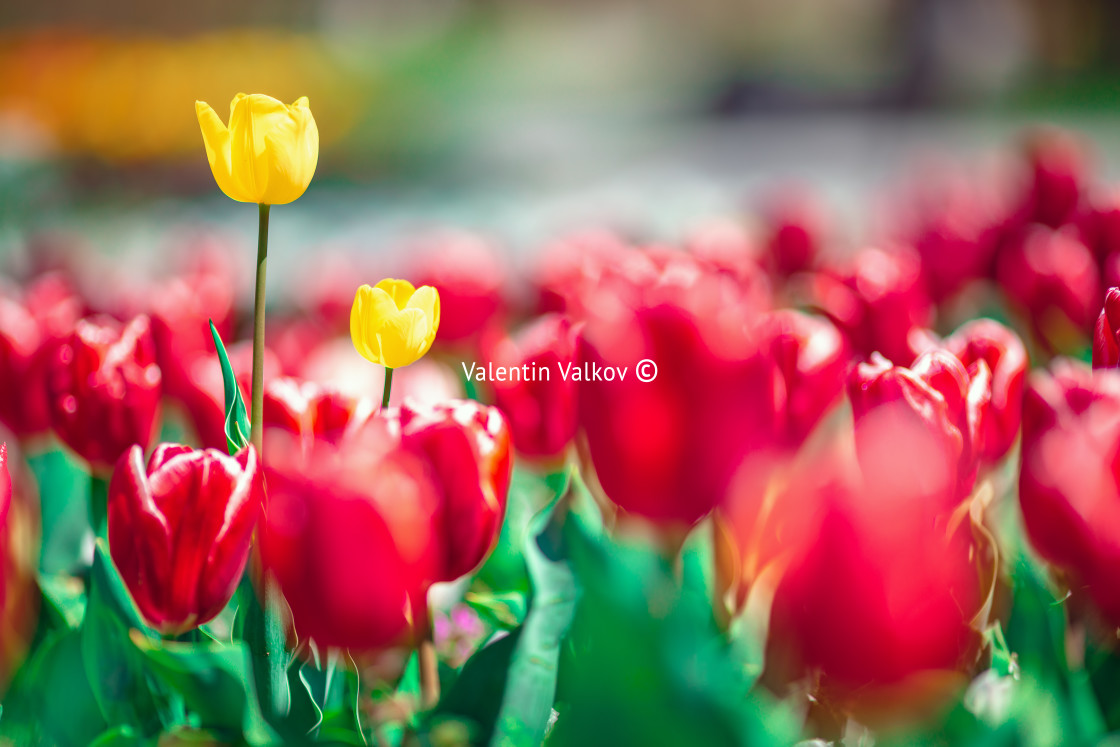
267 154
394 324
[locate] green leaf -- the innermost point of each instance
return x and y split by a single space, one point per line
476 695
504 611
237 416
114 667
263 632
64 600
531 687
63 492
120 736
213 680
50 700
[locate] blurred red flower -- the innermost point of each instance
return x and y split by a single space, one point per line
541 411
104 388
29 329
1052 277
876 300
937 406
1068 486
668 449
349 536
467 445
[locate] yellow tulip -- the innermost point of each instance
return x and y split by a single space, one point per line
267 154
393 323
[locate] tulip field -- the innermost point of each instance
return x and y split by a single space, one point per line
755 485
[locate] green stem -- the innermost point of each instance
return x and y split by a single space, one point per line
99 506
429 665
388 386
256 413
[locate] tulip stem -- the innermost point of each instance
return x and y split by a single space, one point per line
429 666
256 411
99 506
388 386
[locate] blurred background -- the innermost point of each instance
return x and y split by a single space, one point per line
522 119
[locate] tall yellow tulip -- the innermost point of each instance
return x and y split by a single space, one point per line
267 154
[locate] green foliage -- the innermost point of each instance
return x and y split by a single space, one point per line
237 416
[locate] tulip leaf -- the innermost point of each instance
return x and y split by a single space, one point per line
114 667
119 736
63 490
530 689
237 416
51 701
476 695
263 632
213 680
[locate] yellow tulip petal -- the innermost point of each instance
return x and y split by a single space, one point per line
426 298
399 290
292 149
403 338
372 306
216 140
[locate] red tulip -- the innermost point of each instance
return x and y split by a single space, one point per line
876 302
1002 352
180 530
19 555
795 227
668 449
467 445
1053 278
307 409
1106 339
812 358
1069 490
349 537
937 405
541 408
573 266
1100 224
876 594
1057 177
28 332
104 389
470 277
181 309
953 223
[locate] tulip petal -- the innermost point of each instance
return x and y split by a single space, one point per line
216 139
399 290
426 298
292 148
403 337
371 307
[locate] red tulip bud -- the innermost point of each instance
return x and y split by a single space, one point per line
1005 358
469 276
795 227
1053 278
812 358
306 409
180 530
877 302
668 449
467 445
937 405
876 592
349 536
1069 490
104 389
541 411
1106 338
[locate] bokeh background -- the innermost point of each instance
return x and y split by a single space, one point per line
522 120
